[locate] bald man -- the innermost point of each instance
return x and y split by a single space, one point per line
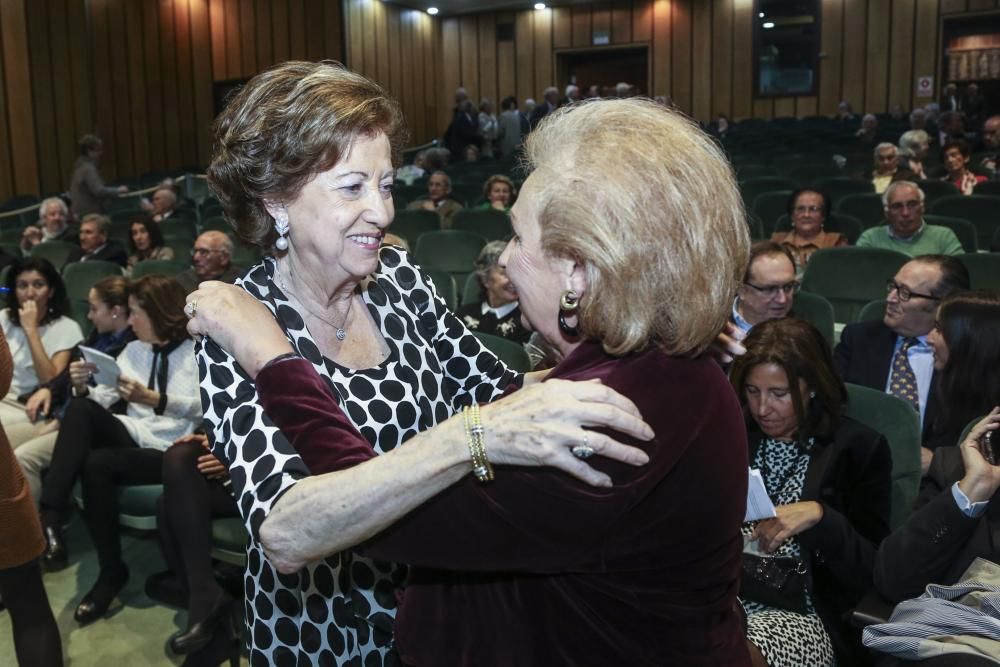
211 259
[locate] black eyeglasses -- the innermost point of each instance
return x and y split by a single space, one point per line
771 291
905 293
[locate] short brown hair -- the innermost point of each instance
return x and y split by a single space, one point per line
767 249
649 206
112 291
163 300
499 178
286 125
801 351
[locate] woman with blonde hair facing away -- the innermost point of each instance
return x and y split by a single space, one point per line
535 567
499 192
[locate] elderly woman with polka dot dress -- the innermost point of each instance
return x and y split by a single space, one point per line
303 166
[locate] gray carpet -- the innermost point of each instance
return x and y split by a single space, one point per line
135 632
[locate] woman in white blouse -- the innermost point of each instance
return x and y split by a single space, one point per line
158 384
39 331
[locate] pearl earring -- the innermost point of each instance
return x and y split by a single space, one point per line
281 226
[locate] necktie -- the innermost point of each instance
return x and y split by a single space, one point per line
903 382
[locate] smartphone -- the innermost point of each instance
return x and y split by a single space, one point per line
989 445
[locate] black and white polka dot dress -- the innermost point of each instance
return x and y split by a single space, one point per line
340 611
785 638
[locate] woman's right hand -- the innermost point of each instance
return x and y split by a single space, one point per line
80 373
981 479
538 426
225 313
38 404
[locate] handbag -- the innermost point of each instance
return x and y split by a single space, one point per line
776 581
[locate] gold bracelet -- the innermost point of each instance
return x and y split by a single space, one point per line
481 467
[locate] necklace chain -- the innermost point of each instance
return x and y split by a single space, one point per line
341 332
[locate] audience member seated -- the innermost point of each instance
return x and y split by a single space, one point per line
967 357
105 450
768 288
807 210
991 143
411 172
438 189
950 127
845 113
887 169
94 241
33 627
195 491
164 204
53 217
146 242
955 155
86 189
829 478
905 230
913 147
30 237
892 354
869 129
954 521
499 192
34 440
39 331
471 153
497 312
211 259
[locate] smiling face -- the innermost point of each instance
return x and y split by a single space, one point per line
937 342
914 317
500 192
769 400
338 219
54 218
807 214
140 237
499 289
32 286
954 161
538 278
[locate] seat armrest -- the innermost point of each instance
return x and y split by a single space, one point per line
872 608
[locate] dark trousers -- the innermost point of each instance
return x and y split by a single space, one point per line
94 445
36 635
184 518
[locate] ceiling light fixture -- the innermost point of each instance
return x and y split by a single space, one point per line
432 11
539 5
768 24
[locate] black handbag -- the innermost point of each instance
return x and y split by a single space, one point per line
776 581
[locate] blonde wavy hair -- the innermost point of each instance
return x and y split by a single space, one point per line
648 204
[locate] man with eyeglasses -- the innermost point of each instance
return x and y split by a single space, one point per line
768 288
210 260
906 231
892 354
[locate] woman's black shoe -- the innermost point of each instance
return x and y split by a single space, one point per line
96 603
198 635
56 555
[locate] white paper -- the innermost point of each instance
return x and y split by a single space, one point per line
107 368
759 505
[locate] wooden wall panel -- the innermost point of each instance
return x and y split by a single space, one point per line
722 58
544 74
831 48
901 53
701 61
855 21
876 73
661 47
742 64
525 45
20 111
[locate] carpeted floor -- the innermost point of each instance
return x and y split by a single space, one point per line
135 632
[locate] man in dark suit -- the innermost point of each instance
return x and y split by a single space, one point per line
547 106
94 242
892 354
956 519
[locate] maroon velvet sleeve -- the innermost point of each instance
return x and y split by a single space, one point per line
300 403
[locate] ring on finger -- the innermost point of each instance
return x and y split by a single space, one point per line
191 309
583 450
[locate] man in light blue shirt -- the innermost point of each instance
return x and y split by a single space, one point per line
768 288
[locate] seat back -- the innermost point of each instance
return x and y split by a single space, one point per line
982 211
229 541
989 188
165 267
934 190
838 188
444 283
984 269
865 207
816 310
509 352
850 277
900 424
57 252
451 250
873 310
769 207
841 223
964 230
79 277
492 224
753 187
411 224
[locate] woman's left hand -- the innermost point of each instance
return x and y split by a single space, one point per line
790 521
133 391
211 467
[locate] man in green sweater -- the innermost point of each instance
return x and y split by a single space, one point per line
906 231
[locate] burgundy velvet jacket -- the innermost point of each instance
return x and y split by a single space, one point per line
537 568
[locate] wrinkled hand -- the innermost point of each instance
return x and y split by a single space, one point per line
790 521
121 189
728 344
80 373
981 479
225 313
133 391
38 404
29 315
211 467
538 425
